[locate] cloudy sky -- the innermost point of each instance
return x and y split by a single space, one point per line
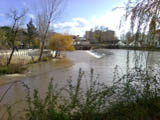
78 16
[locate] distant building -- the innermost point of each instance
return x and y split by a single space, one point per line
80 40
105 37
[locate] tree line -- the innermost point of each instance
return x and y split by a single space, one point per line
39 35
25 38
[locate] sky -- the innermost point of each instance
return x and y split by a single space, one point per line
78 15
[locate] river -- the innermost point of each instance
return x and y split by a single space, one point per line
38 75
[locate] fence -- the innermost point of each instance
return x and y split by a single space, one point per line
30 52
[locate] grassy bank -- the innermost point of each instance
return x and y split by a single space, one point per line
12 69
133 96
18 64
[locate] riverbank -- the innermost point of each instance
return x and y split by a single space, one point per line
57 63
17 66
128 48
21 59
104 46
140 48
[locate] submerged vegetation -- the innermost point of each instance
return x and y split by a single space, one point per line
12 69
17 66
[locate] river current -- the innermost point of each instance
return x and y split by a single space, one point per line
102 61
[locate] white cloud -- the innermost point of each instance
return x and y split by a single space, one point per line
76 26
80 25
109 19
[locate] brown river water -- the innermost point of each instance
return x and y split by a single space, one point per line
39 75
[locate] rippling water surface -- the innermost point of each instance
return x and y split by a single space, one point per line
39 75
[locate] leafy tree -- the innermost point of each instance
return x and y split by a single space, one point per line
31 34
98 32
144 16
37 42
101 28
98 36
2 38
5 32
59 42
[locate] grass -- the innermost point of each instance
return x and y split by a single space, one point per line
12 69
18 64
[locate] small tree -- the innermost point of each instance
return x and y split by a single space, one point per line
98 32
59 42
144 17
48 12
31 34
17 19
4 35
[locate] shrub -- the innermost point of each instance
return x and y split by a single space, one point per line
44 109
133 96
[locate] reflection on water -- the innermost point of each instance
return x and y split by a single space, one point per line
39 75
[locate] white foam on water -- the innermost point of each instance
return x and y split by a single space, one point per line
94 54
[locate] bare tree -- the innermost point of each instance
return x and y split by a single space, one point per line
17 19
49 11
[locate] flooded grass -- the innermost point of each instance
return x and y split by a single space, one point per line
17 66
62 63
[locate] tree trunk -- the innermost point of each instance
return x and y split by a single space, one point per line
43 42
41 52
10 58
56 54
59 53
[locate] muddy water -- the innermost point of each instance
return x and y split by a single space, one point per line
38 76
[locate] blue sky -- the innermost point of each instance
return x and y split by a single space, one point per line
78 16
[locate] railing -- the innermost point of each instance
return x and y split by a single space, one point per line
30 52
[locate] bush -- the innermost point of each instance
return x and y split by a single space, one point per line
44 109
139 110
133 96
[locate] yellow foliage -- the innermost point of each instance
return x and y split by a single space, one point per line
60 42
37 42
